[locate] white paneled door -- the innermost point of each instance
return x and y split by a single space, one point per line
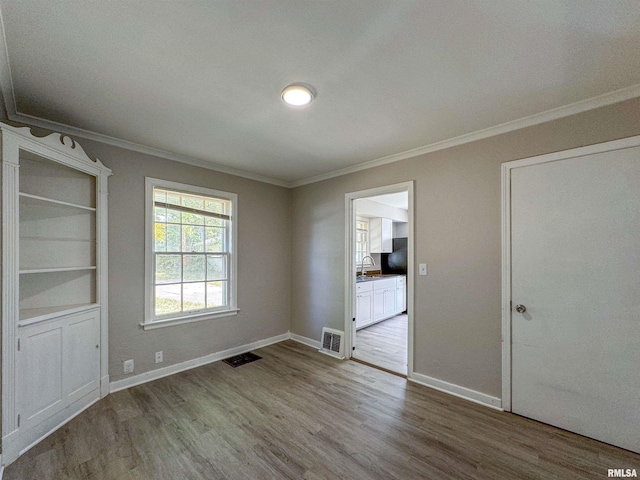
575 292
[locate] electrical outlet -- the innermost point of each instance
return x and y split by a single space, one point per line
158 357
128 366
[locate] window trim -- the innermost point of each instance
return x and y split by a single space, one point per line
150 322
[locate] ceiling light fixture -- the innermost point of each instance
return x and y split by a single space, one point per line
297 95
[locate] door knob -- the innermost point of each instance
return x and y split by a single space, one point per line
521 308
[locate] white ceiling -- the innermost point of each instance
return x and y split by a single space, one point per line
200 81
397 200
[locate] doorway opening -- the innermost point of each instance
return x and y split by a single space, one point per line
379 285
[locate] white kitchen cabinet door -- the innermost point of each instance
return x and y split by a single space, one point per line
381 235
364 309
378 305
389 309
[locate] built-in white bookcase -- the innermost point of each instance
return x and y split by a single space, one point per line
57 237
54 284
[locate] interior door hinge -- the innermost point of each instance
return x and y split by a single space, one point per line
18 420
18 344
353 319
353 348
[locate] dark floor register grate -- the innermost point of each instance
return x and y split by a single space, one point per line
241 359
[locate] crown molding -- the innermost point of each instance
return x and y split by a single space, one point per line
136 147
610 98
6 84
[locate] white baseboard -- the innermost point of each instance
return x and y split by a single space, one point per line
305 341
189 364
457 390
1 468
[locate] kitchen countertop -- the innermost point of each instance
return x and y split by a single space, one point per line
369 278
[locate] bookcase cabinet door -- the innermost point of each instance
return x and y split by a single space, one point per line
58 363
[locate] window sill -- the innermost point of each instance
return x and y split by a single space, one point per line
190 319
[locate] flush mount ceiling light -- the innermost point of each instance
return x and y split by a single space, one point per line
297 95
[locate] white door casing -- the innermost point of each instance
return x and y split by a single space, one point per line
571 256
350 269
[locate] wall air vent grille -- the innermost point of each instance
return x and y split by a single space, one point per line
332 342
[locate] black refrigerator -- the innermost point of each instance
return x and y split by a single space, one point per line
395 262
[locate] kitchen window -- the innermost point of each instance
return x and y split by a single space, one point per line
190 253
362 240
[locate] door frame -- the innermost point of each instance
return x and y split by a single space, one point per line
350 268
506 239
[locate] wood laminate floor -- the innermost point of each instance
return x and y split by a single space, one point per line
384 344
299 414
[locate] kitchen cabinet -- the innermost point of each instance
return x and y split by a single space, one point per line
364 304
381 235
384 298
379 299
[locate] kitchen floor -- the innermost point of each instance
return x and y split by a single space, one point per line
384 344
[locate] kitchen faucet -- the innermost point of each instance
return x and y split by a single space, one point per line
373 262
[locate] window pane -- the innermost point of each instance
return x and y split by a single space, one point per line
174 238
167 299
192 238
168 268
214 206
160 214
216 294
216 267
213 222
173 216
193 202
174 198
159 195
193 296
193 268
160 235
215 239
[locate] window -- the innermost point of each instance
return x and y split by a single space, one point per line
362 240
191 253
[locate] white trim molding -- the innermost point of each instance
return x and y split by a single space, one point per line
610 98
456 390
196 362
506 239
309 342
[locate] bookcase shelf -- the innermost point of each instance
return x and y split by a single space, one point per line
38 200
55 270
34 315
